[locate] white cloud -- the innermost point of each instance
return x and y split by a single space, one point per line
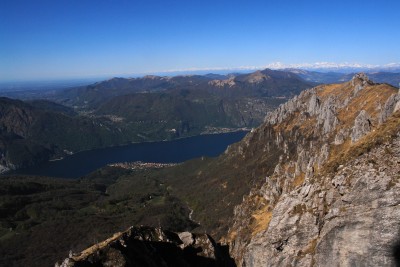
309 66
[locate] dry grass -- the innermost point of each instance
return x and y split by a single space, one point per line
298 180
261 219
261 215
337 149
310 249
308 126
290 123
231 236
338 89
379 135
368 99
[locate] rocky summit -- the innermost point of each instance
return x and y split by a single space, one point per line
323 179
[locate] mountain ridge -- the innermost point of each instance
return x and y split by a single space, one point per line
280 83
318 156
392 78
346 120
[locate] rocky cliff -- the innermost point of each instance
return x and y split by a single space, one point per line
333 198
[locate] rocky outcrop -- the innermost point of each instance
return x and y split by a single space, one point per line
362 126
340 137
327 116
314 104
391 105
359 81
257 77
221 83
309 104
147 246
322 203
344 218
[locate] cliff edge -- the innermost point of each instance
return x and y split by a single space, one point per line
334 197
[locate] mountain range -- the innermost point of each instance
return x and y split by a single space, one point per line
317 183
120 111
266 83
392 78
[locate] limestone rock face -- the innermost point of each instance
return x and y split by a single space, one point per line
333 197
187 239
362 126
397 107
352 220
359 81
283 111
391 105
314 104
340 137
327 116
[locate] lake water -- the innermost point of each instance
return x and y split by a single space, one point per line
84 162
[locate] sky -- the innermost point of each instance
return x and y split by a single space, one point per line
82 38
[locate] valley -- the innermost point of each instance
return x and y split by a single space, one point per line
122 111
321 166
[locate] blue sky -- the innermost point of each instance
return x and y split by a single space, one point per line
80 38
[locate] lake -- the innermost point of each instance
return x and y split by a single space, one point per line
175 151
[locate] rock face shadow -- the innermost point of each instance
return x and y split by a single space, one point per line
146 246
396 253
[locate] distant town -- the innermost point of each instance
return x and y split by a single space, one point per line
139 165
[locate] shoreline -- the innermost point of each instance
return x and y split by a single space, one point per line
69 153
222 131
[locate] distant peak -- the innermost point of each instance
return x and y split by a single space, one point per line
361 76
113 79
359 81
152 77
257 77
